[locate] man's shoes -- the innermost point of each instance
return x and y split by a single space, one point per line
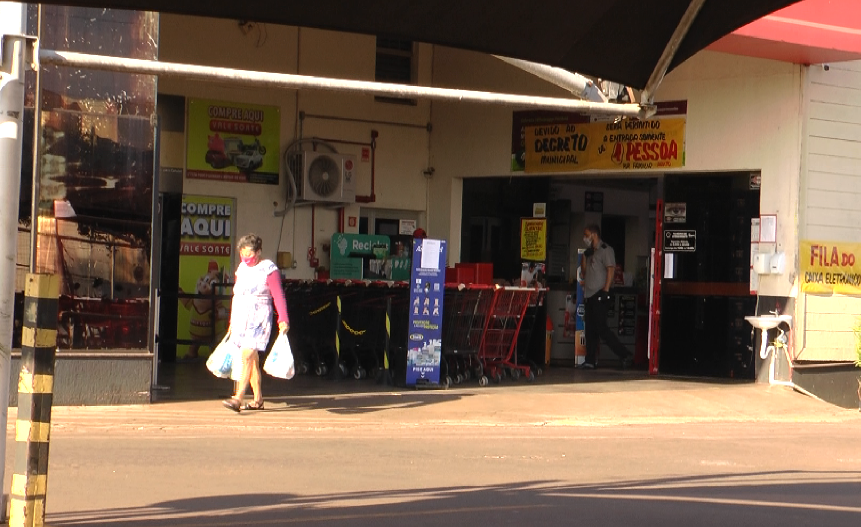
586 366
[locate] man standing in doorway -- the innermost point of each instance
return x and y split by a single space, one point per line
598 268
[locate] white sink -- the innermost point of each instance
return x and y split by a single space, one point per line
767 322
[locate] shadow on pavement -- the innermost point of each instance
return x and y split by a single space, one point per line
358 404
754 498
192 382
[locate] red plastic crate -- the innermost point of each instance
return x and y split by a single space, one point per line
459 275
465 273
484 273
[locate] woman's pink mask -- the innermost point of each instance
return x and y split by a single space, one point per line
248 260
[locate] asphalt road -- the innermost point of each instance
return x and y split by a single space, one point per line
534 455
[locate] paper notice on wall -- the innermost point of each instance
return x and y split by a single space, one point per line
430 254
768 228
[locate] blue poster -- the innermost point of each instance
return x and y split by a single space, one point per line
424 352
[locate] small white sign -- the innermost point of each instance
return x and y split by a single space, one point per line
539 210
768 228
754 276
430 254
406 227
755 181
754 232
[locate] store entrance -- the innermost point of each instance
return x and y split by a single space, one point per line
706 279
622 207
705 287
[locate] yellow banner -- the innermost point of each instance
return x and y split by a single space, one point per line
830 267
628 144
230 141
533 239
205 259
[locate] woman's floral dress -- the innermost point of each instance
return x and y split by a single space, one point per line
251 312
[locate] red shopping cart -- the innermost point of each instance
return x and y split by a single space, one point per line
502 327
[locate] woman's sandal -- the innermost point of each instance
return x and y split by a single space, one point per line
232 404
253 406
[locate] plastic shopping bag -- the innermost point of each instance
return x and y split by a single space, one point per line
279 363
220 361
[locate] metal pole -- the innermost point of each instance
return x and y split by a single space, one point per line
673 44
577 84
155 259
387 374
290 81
13 58
37 157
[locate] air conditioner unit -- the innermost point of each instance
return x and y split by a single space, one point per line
325 177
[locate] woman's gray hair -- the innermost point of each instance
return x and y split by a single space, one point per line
250 241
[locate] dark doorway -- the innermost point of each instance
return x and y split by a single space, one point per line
171 208
703 332
492 209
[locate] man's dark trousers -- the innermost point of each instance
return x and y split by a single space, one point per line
597 307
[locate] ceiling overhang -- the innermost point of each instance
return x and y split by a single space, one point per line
618 40
809 32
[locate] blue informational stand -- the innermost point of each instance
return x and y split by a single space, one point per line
427 282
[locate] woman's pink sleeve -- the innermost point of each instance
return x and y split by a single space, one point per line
273 280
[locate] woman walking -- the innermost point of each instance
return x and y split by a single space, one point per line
258 285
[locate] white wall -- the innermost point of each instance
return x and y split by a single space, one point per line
402 145
831 191
832 183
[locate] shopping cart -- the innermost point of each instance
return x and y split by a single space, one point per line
465 310
364 334
313 322
527 331
499 340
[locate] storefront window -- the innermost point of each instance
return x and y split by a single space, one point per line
95 196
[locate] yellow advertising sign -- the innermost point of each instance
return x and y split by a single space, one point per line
230 141
205 260
830 267
533 239
629 144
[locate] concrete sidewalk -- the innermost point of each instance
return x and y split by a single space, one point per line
563 398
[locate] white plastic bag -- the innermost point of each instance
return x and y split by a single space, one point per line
220 361
279 363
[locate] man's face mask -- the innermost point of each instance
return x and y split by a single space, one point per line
587 241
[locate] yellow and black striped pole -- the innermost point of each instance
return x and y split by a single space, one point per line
337 367
387 375
35 397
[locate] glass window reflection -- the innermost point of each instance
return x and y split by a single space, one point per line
95 178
